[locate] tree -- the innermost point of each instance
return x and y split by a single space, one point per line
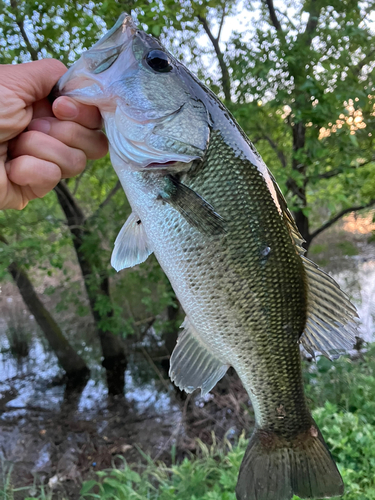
300 81
74 366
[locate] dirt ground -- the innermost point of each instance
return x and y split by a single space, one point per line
62 447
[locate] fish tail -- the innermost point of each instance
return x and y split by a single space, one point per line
275 468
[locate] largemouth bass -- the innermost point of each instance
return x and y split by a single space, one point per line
205 203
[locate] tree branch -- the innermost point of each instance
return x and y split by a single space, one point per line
273 16
338 216
221 24
225 78
312 22
19 21
338 171
286 15
279 153
105 202
72 210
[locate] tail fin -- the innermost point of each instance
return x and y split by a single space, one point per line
274 468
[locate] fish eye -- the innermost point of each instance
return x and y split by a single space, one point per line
159 61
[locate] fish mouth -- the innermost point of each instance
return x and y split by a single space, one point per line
82 74
164 165
124 26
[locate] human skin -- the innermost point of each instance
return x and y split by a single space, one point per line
40 143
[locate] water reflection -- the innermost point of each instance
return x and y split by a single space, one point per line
357 278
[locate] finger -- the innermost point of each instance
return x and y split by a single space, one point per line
65 108
36 178
34 80
71 161
92 142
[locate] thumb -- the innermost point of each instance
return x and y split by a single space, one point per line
34 80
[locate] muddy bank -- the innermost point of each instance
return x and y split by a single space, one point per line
59 438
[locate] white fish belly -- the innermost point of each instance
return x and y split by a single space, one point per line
194 264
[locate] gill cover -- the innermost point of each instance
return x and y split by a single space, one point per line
151 117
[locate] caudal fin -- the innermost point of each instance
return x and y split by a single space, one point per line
276 469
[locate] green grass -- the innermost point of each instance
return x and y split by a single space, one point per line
343 398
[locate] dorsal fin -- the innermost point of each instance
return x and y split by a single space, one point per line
289 220
331 325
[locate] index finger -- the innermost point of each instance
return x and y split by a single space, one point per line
65 108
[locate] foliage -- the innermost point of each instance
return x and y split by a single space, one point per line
348 383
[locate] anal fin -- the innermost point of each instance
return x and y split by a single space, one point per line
131 245
192 366
331 317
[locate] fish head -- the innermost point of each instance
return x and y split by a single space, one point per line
152 118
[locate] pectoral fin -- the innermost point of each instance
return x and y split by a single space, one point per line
192 365
331 326
131 245
192 207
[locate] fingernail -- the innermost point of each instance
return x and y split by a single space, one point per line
67 108
40 125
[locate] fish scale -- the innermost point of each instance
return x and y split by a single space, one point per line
205 203
252 293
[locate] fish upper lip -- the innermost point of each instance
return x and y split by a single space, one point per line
125 23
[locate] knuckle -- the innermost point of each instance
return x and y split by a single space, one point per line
27 140
78 161
65 131
54 174
70 132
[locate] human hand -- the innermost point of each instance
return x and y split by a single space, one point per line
41 144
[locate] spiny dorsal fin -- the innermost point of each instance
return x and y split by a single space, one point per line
290 222
131 245
331 325
192 365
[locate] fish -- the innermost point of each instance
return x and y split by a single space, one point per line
204 202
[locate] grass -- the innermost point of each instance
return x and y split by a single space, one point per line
342 396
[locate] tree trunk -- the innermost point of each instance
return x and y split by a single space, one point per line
299 191
114 358
173 324
74 366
